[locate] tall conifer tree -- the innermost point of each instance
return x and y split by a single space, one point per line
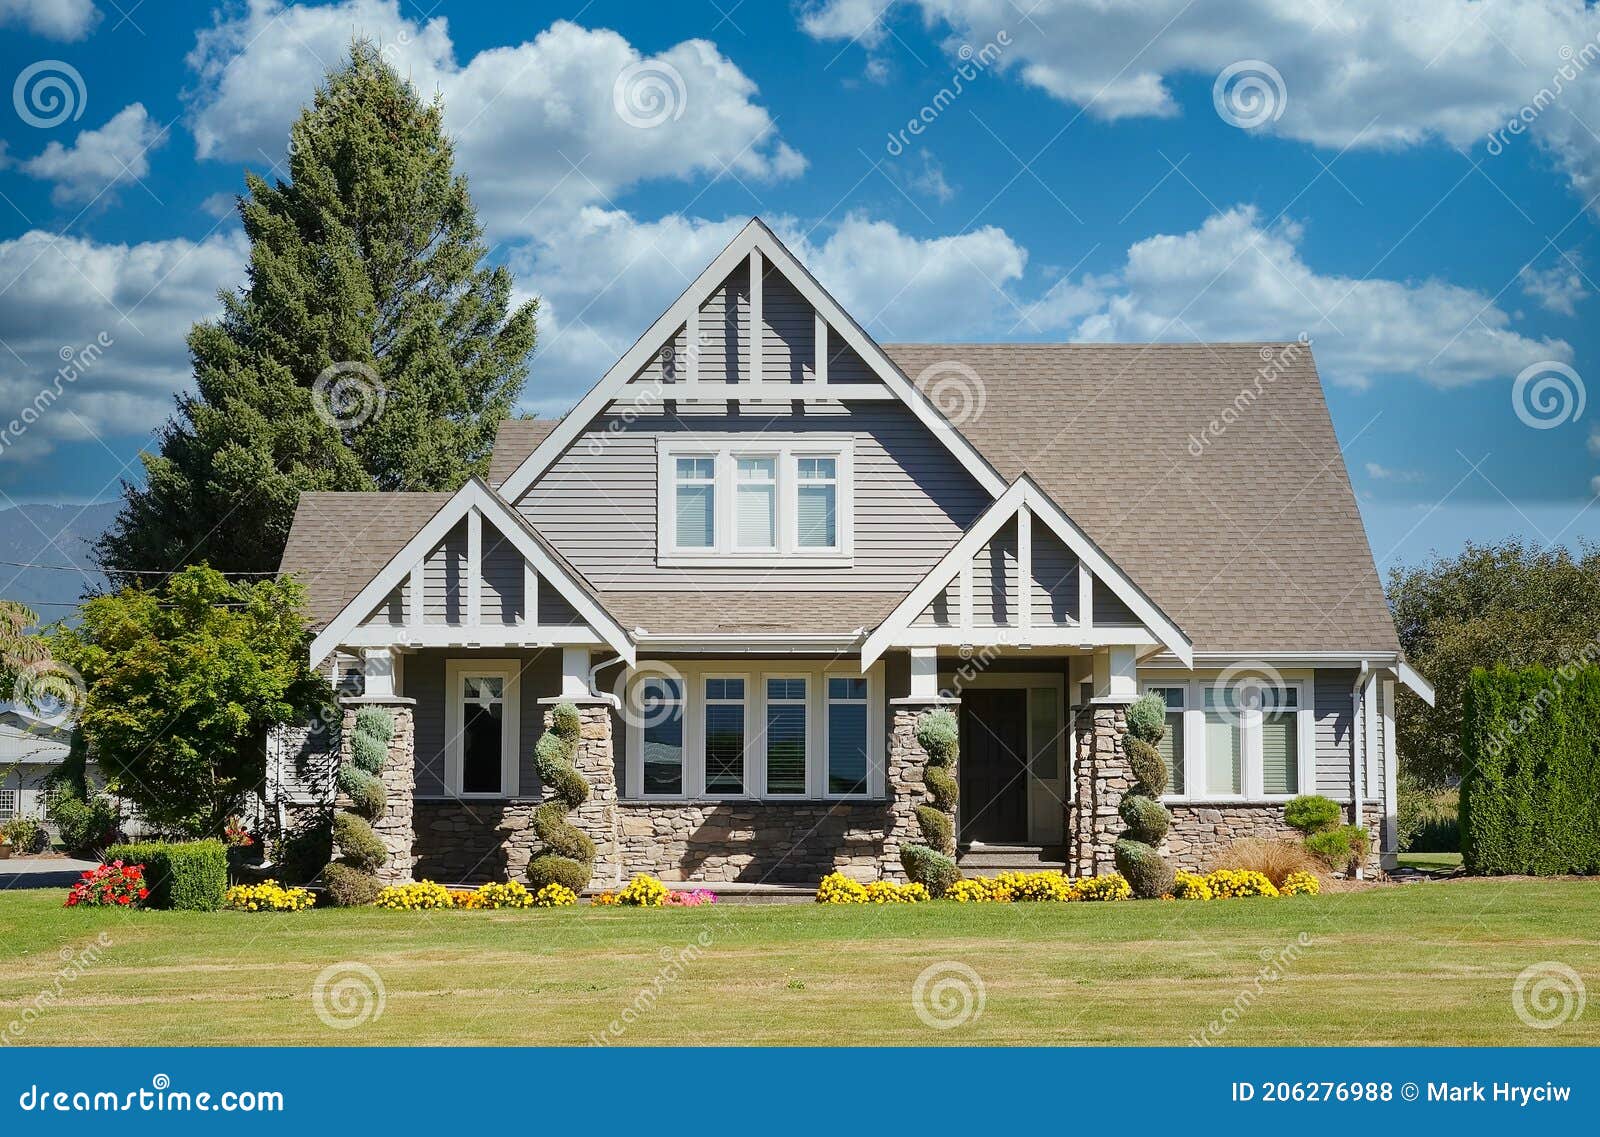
370 348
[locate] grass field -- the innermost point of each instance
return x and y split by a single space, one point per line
1431 862
1425 963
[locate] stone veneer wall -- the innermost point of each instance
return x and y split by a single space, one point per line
1200 832
1101 779
598 816
462 842
906 782
396 828
757 842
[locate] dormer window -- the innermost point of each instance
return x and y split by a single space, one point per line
760 500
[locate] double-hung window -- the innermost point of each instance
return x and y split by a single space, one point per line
757 500
847 736
1171 745
8 804
786 737
1280 740
1224 742
724 737
661 704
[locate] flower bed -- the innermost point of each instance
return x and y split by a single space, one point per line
109 886
1036 887
268 896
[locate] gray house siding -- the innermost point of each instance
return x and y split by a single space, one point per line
597 503
444 580
500 598
1335 720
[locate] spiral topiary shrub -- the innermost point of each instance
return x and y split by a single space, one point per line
1147 821
350 880
932 863
568 855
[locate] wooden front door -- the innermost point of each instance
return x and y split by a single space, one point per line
994 767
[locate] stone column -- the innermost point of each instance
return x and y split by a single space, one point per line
1101 779
397 826
596 761
904 777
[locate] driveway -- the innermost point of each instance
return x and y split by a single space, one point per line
41 872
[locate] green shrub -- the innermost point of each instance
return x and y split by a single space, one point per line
346 886
84 826
368 798
1146 871
1340 848
1312 813
186 876
1532 779
1429 821
1147 820
549 868
368 753
930 868
1149 769
937 828
376 722
1147 717
26 835
358 844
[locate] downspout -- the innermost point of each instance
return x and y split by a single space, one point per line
1358 711
613 701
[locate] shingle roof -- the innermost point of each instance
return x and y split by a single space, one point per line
1210 473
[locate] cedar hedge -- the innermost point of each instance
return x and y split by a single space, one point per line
188 876
1531 737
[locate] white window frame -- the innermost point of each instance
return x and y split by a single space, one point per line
816 673
682 702
1145 687
786 450
837 482
1251 774
10 803
509 672
776 483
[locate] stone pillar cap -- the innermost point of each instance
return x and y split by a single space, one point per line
376 701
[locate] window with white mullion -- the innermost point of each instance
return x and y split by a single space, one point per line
816 502
695 502
847 730
755 527
725 735
784 741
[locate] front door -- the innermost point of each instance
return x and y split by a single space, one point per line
994 767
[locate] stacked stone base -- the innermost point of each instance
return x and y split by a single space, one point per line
756 842
1200 833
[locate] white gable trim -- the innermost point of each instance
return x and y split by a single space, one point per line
1413 679
1020 499
474 496
754 241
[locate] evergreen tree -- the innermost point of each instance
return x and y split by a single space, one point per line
370 348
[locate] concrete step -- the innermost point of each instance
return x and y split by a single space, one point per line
988 860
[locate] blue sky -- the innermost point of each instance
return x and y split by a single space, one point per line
1092 179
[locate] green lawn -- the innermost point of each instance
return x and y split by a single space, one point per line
1431 862
1425 963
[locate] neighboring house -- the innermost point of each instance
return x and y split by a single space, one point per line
764 545
29 750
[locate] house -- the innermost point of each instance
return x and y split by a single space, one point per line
764 545
29 750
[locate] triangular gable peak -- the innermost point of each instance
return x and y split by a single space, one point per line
475 575
1024 575
754 328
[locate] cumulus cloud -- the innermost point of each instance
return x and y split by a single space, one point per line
59 294
573 117
1237 279
1557 288
1363 73
66 20
1382 473
99 160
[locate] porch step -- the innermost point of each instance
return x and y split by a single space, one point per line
988 860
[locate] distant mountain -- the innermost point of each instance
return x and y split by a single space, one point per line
51 535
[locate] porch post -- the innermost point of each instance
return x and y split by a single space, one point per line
907 759
596 761
1102 776
396 828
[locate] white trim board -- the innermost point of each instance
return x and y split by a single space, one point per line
474 495
1020 498
755 240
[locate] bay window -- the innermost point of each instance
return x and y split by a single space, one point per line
755 500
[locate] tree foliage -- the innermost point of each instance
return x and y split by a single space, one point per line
182 685
1511 604
369 349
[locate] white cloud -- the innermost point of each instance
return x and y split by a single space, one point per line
1557 288
1382 473
605 276
927 178
536 124
59 294
99 160
66 20
1233 279
1364 72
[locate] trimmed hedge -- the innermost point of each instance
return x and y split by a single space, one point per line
1531 738
188 876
